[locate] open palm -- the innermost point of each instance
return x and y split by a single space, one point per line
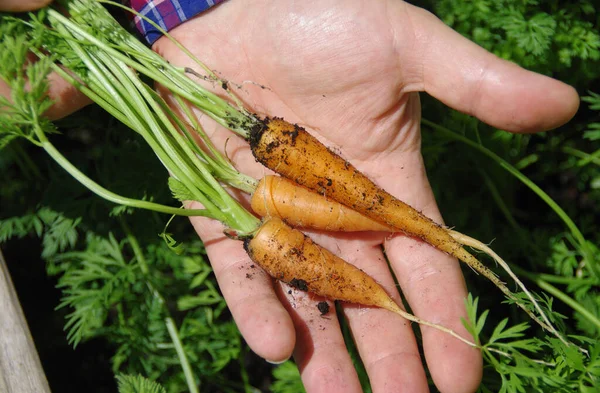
349 71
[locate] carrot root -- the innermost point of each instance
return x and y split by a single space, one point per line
476 244
290 256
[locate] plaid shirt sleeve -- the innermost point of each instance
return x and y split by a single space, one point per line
167 14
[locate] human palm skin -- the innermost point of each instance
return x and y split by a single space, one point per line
350 71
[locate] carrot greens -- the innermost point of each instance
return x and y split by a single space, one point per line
118 90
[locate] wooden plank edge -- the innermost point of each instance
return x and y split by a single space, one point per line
20 367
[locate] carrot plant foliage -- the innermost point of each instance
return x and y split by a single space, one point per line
146 289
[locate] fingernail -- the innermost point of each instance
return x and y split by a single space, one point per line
275 362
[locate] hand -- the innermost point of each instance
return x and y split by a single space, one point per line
67 99
350 71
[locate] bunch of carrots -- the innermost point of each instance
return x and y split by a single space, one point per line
316 188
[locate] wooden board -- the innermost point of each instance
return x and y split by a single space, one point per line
20 367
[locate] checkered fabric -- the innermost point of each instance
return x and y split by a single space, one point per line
167 14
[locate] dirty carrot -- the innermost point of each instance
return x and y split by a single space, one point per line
291 151
292 257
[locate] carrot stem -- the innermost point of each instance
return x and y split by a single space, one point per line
107 194
169 322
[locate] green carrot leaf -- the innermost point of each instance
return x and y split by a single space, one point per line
138 384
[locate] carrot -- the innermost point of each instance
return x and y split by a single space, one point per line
300 207
291 151
290 256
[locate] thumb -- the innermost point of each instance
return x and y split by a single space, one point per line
22 5
470 79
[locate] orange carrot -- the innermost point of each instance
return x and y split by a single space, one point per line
290 256
300 207
291 151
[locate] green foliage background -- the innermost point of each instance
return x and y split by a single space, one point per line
120 281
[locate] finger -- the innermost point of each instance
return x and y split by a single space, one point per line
21 6
66 98
466 77
248 290
385 341
320 353
435 289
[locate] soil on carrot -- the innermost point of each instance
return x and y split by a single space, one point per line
296 252
323 308
293 134
299 284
